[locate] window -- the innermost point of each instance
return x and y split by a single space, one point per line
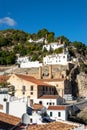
50 103
23 88
30 120
40 102
53 103
46 88
43 88
32 87
59 114
51 114
31 93
23 92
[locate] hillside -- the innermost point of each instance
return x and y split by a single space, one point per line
14 42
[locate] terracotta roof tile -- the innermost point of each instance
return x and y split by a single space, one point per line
52 80
9 119
37 106
3 78
49 97
33 80
52 126
59 107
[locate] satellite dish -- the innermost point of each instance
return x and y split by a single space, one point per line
25 119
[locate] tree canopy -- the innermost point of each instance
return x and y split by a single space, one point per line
13 42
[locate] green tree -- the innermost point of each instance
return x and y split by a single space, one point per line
63 40
50 37
58 50
3 41
81 48
42 33
34 57
10 59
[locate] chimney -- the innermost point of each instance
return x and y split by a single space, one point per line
40 72
50 71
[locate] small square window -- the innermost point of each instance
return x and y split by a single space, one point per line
50 103
23 92
31 93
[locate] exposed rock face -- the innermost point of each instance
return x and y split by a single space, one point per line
82 84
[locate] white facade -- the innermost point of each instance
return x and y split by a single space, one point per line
23 59
38 41
35 118
25 62
30 64
15 107
57 114
61 59
53 46
4 96
48 102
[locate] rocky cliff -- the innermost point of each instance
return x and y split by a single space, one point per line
82 84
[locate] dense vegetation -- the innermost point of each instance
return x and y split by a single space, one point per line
13 42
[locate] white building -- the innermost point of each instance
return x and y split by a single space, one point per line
38 41
48 100
37 111
61 59
30 64
15 107
25 62
53 46
24 59
58 112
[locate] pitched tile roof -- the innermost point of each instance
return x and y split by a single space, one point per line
53 126
52 80
37 106
59 107
60 125
3 78
49 97
33 80
9 119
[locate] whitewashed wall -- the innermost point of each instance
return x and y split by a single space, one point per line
35 118
61 59
54 46
46 102
30 64
17 108
55 114
2 96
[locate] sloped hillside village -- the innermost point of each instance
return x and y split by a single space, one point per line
49 94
